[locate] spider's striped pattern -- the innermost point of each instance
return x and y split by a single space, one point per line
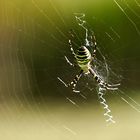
84 58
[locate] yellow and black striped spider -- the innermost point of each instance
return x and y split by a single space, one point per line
84 58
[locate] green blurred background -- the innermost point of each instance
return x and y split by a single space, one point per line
33 42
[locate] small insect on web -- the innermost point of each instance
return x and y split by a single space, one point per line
84 59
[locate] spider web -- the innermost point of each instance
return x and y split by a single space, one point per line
34 40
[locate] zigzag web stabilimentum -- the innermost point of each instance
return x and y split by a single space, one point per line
100 90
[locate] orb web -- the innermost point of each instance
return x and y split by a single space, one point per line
33 45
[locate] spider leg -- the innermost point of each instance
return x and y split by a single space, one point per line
114 85
68 61
102 83
75 81
71 48
109 87
93 38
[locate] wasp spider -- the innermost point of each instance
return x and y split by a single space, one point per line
84 58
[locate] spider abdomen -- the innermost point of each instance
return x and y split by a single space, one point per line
83 58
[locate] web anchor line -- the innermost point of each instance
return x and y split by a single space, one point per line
101 92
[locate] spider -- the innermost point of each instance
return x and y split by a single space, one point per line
84 58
